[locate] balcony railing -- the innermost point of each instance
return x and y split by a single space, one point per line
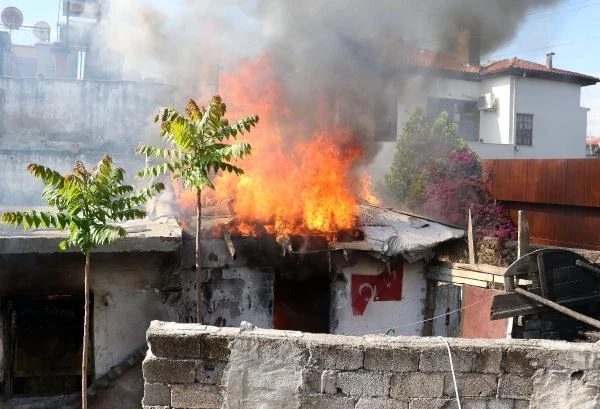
28 35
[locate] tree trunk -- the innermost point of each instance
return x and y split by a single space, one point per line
198 266
86 330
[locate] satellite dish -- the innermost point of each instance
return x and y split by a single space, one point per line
41 31
11 18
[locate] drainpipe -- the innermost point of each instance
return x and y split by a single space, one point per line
513 114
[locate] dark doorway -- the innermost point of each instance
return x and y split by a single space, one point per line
302 293
43 343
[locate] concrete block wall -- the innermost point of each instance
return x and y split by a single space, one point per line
197 366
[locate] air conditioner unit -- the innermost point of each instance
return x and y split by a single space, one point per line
486 102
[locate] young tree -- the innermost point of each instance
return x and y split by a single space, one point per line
420 146
434 171
86 204
200 146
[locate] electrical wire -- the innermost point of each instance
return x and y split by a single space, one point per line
540 14
452 370
499 56
386 330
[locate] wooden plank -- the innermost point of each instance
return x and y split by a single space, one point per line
562 309
229 242
482 268
353 245
471 275
522 235
470 236
587 266
456 280
475 275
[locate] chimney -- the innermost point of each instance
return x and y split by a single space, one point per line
468 48
549 60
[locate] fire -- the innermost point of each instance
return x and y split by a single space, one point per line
301 175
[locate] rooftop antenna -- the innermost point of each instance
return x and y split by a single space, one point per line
41 31
11 18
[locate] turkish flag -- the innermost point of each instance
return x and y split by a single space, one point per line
386 286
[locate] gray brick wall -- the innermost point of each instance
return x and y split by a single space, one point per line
196 366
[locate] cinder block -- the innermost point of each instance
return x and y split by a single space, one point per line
465 404
195 397
193 345
311 380
469 403
417 385
328 382
487 360
396 360
326 402
432 404
520 361
471 385
335 356
436 359
209 373
380 403
365 384
156 394
161 370
515 387
521 404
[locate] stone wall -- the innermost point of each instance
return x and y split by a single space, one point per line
197 366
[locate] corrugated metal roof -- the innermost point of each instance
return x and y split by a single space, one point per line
393 233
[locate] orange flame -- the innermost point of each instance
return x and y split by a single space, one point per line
301 175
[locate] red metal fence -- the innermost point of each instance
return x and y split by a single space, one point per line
560 197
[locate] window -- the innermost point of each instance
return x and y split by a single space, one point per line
463 113
524 131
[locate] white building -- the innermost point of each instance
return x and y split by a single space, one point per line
508 109
531 111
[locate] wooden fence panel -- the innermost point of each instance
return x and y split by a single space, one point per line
560 197
507 179
546 181
583 182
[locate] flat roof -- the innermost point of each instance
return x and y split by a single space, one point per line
146 235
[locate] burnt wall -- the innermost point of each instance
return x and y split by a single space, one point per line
197 366
240 288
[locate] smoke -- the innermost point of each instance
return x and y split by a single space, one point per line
344 50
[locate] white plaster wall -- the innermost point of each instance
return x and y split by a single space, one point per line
498 151
381 315
495 126
451 88
413 91
126 299
559 122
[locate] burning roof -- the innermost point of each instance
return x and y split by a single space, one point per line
384 232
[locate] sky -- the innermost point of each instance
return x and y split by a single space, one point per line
569 29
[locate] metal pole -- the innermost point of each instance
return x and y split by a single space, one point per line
567 311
